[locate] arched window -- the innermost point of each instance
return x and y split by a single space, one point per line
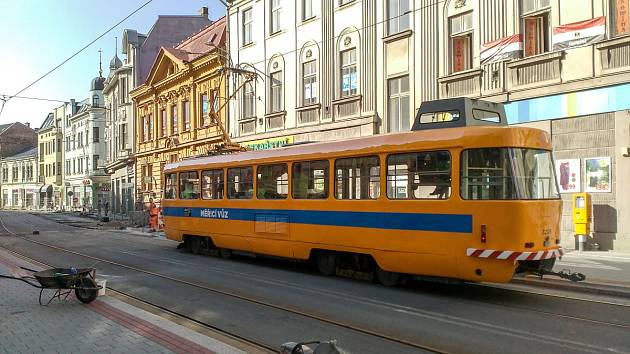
348 62
276 85
309 69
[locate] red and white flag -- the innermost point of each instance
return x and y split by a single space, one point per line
502 49
579 34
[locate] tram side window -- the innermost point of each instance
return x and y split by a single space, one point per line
357 178
310 180
189 185
272 182
170 184
240 183
422 175
212 184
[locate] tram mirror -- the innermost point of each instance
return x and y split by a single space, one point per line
438 117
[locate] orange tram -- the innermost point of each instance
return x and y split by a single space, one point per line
461 196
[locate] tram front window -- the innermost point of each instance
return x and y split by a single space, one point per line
507 173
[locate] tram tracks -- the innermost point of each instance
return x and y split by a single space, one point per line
431 315
293 311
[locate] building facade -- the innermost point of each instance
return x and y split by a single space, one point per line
20 187
178 107
50 151
317 67
84 158
119 133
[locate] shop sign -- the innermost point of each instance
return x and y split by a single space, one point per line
568 174
597 173
270 143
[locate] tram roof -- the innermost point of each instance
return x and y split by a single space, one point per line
437 138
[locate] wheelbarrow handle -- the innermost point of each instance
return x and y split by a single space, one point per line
24 280
29 269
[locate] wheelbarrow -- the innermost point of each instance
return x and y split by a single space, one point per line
64 281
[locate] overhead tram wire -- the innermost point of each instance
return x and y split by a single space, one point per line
6 99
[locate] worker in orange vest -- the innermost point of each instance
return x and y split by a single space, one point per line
153 216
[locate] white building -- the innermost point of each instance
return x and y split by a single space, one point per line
20 187
119 133
84 174
317 60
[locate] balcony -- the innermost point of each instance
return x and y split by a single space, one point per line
465 83
614 54
539 70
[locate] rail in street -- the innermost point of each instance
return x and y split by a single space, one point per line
268 302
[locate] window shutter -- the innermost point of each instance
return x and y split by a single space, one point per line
531 36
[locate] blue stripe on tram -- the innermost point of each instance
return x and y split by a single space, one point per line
377 220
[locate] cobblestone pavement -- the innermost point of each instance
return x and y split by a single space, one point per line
105 326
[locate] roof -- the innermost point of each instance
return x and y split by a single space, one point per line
4 127
201 42
434 139
48 122
28 152
166 32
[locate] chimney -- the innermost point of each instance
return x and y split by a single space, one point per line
203 11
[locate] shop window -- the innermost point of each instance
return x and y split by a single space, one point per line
310 180
461 34
272 182
422 175
358 178
212 184
240 183
189 185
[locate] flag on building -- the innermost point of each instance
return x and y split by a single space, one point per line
579 34
502 49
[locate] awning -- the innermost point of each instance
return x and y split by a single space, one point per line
45 188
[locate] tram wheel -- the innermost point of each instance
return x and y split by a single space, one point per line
196 245
386 278
327 263
225 253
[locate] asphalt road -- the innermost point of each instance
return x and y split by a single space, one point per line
271 301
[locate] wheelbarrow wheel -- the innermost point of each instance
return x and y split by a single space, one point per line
86 290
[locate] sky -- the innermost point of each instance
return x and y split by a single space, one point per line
37 35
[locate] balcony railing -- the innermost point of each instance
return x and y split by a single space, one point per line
465 83
614 54
538 70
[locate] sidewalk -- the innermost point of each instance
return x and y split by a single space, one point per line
107 325
606 273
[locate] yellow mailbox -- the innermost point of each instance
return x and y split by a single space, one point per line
582 213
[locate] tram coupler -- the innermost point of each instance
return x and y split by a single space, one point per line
565 274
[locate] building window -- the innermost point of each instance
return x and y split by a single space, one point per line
307 10
349 72
212 184
95 102
249 100
310 180
276 11
275 90
247 26
423 175
189 185
204 110
535 22
174 122
240 183
58 168
309 77
357 178
620 17
186 108
461 28
272 182
122 92
96 137
94 163
123 137
163 131
398 104
398 16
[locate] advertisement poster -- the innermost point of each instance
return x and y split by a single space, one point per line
568 175
597 174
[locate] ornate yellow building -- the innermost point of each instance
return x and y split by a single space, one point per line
178 107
